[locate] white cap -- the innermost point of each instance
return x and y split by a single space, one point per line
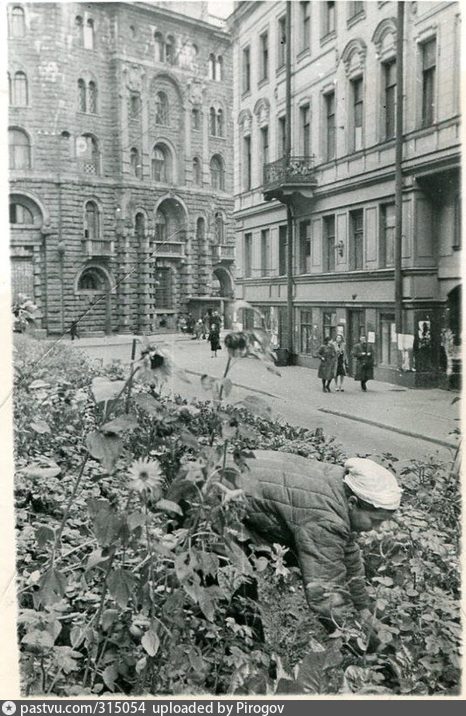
372 483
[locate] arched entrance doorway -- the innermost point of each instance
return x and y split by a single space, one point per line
94 307
222 290
26 221
169 262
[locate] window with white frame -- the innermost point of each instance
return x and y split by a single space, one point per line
305 25
264 56
429 66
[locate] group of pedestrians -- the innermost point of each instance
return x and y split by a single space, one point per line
334 363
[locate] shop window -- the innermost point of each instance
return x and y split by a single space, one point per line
329 324
306 332
388 341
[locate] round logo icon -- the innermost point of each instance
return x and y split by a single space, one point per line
9 708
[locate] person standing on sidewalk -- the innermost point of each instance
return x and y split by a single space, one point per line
328 359
364 356
214 339
342 362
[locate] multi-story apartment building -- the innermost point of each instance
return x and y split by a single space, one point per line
121 163
342 177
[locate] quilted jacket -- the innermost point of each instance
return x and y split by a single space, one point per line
301 503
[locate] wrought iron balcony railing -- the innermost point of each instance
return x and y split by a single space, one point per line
99 248
289 171
174 249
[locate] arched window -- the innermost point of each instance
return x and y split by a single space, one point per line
160 226
212 122
163 288
170 56
91 221
161 164
135 163
134 105
19 93
219 229
211 67
196 118
91 280
200 229
82 104
197 178
220 128
159 47
89 34
140 225
79 29
161 109
19 149
20 214
195 51
217 174
92 97
18 24
87 153
219 69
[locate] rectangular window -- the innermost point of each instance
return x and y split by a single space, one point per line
282 251
329 324
265 252
355 8
388 342
306 332
329 243
264 56
305 247
328 25
330 125
281 136
387 235
281 39
389 72
356 252
265 144
305 25
246 69
247 255
358 111
429 51
247 162
196 119
305 116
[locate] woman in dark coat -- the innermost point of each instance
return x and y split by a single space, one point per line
214 339
327 368
364 356
342 362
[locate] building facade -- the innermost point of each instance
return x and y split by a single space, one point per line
341 174
121 163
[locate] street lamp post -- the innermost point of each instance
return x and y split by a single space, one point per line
289 212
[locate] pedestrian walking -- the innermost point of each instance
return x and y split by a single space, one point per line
214 340
327 368
206 322
74 330
198 329
364 356
341 363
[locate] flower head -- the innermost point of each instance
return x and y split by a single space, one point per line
156 365
146 478
237 344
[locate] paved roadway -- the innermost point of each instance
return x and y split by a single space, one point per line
410 424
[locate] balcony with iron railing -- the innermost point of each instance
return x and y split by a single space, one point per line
288 176
221 252
170 249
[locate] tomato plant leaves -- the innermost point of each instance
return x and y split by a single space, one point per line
105 448
151 642
106 523
52 586
121 585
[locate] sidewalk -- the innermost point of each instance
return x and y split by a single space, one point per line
428 414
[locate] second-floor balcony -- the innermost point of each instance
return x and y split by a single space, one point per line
221 252
169 249
289 176
99 248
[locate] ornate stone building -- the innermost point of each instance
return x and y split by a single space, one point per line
342 176
121 163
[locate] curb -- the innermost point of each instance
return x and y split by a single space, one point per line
408 433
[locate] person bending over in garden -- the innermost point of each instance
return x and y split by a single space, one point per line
315 508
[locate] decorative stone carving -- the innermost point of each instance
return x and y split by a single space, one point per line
354 56
262 111
134 77
245 121
384 37
195 91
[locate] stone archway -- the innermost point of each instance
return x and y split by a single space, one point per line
223 278
94 305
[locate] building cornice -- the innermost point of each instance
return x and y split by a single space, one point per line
168 14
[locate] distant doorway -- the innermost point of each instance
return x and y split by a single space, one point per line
356 328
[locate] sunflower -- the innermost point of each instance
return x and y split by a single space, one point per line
155 364
146 478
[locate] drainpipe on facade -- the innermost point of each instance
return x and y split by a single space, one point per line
399 176
289 213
